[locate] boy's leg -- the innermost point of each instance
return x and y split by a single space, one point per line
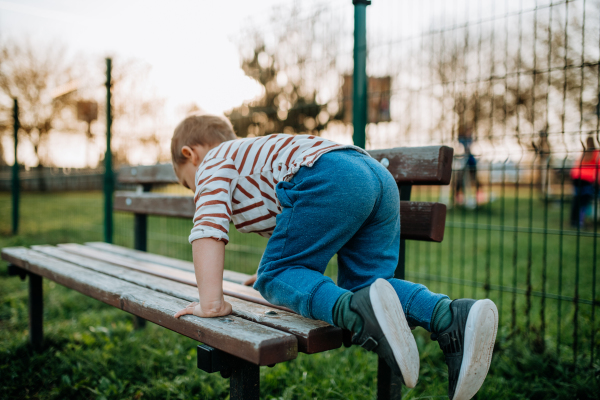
323 207
467 344
373 251
348 204
465 328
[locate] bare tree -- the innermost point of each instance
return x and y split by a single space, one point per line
42 79
278 60
47 84
137 113
537 79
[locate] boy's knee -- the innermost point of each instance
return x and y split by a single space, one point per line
280 293
268 287
261 284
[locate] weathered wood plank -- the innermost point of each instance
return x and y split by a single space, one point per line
143 174
231 276
428 165
420 221
177 275
313 336
253 342
155 204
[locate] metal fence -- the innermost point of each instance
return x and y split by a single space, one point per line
512 86
514 89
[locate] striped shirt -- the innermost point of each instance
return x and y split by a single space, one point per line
236 182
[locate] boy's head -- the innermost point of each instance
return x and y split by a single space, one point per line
192 139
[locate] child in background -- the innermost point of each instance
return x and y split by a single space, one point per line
315 198
585 175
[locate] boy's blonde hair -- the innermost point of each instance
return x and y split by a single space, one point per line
199 130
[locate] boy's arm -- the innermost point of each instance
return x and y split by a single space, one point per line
209 259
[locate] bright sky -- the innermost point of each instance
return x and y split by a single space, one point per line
188 43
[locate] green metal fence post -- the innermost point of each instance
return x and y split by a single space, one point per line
16 185
389 386
108 173
359 80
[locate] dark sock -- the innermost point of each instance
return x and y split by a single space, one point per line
442 316
344 317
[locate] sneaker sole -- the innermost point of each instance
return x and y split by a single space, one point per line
480 336
389 314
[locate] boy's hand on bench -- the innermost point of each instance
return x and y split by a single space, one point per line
209 260
250 281
196 309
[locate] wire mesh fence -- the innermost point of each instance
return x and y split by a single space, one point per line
512 86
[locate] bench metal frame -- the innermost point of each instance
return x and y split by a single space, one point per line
36 305
244 376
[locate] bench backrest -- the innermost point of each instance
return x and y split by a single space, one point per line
429 165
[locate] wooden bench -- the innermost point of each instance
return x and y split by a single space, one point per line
154 287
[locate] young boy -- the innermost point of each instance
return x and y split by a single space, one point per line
315 198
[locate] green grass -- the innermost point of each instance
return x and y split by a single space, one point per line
93 351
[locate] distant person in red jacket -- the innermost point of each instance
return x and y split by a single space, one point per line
585 173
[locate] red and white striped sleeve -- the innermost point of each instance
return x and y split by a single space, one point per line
214 186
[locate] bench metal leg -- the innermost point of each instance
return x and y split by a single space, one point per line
140 242
245 381
140 232
36 311
389 386
245 376
138 322
36 305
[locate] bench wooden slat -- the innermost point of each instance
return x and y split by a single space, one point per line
231 276
422 221
427 165
147 174
252 342
155 204
419 220
177 275
313 336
